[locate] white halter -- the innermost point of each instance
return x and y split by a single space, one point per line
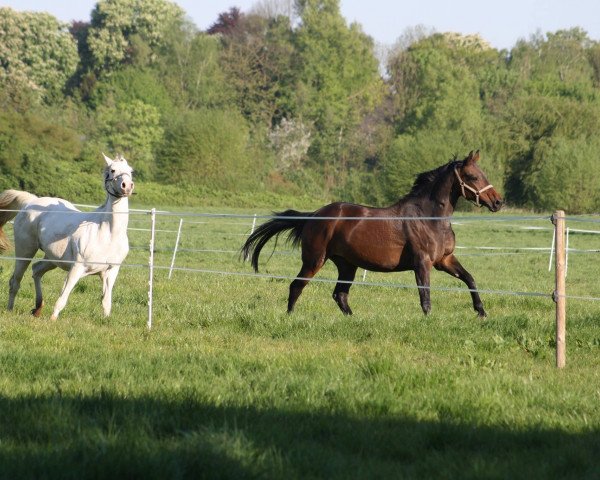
463 185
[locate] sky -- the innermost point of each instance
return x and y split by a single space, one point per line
501 23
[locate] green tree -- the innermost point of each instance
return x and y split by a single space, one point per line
556 105
445 89
190 67
120 28
338 82
37 53
257 58
211 148
133 129
562 175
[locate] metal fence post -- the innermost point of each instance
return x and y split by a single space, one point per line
151 267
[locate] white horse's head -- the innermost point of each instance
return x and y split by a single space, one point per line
118 177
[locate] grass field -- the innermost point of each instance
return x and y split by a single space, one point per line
227 385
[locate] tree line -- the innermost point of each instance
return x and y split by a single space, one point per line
289 98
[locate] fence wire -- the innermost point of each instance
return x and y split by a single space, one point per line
456 220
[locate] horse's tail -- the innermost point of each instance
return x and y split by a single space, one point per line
11 201
289 220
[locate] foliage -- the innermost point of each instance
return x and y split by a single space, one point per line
115 23
190 69
560 175
132 129
209 147
291 141
338 77
292 100
37 53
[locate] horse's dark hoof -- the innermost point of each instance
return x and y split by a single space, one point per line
481 314
37 311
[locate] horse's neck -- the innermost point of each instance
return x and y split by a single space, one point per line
117 218
444 197
438 201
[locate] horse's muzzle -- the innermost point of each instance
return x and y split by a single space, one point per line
495 203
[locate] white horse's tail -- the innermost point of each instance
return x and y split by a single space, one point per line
11 201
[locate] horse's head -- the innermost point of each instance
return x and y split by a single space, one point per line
475 186
118 177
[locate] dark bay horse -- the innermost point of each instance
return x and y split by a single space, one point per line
404 236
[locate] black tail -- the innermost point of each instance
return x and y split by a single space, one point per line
284 221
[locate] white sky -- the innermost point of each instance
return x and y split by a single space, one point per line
501 23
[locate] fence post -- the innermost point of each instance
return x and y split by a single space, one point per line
175 249
151 267
558 219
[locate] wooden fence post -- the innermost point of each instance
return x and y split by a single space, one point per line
558 219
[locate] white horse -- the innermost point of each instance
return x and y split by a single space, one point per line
80 243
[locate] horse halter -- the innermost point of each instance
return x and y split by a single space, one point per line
463 185
112 181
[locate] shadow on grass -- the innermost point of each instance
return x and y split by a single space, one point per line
106 436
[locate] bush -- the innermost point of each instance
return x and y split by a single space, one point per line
210 148
562 175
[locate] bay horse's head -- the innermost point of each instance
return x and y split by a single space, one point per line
474 185
118 177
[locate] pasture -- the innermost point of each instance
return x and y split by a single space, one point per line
227 385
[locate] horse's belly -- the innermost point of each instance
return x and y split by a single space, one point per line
372 257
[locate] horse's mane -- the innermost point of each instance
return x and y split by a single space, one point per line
426 180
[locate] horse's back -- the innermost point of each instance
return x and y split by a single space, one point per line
46 223
48 211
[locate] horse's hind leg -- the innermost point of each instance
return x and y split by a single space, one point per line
309 269
422 275
15 281
346 274
39 269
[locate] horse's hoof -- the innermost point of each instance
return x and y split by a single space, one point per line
37 311
53 318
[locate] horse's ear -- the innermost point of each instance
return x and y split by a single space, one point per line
108 161
473 156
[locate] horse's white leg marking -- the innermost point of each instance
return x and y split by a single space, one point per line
39 269
108 281
73 277
15 281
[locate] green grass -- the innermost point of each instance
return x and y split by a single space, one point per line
227 385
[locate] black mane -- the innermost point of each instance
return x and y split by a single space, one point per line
426 180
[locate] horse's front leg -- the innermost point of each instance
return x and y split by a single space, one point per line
422 271
452 266
73 277
108 281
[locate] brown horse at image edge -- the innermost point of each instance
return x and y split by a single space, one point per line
413 234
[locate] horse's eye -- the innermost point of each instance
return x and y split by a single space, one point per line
112 171
472 178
